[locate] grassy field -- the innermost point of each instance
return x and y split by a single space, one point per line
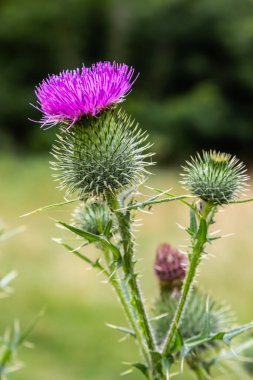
72 341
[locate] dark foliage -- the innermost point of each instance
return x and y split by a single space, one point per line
195 58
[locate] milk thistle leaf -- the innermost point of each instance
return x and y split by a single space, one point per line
201 234
225 336
94 264
92 238
215 177
107 230
141 367
178 343
44 208
193 223
4 235
101 157
122 329
6 280
228 336
75 94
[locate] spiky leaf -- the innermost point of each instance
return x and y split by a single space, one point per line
92 238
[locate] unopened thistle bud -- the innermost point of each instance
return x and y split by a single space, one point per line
101 156
170 267
92 217
195 317
215 177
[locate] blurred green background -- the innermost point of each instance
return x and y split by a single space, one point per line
195 58
195 91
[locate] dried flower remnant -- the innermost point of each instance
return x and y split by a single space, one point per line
74 94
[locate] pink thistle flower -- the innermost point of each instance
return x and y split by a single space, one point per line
170 266
73 94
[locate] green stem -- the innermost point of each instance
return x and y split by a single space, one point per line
241 201
130 277
134 320
127 301
199 373
131 317
140 308
195 259
117 285
182 303
156 200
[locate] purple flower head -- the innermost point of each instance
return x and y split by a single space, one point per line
72 94
170 266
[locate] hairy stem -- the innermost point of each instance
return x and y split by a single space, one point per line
130 277
121 291
195 258
125 302
155 371
156 200
199 373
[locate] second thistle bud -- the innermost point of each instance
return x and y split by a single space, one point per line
215 177
170 267
92 217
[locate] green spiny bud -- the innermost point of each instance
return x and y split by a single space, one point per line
101 156
194 319
215 177
92 217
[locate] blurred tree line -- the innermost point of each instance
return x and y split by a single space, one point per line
195 58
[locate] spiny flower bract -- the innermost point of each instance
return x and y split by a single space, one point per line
199 308
215 177
74 94
92 217
102 156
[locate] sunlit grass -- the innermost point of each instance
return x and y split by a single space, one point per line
72 341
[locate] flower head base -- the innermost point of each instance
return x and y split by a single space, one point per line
72 95
215 177
170 267
92 217
102 156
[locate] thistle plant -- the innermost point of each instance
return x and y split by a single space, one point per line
101 158
13 337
